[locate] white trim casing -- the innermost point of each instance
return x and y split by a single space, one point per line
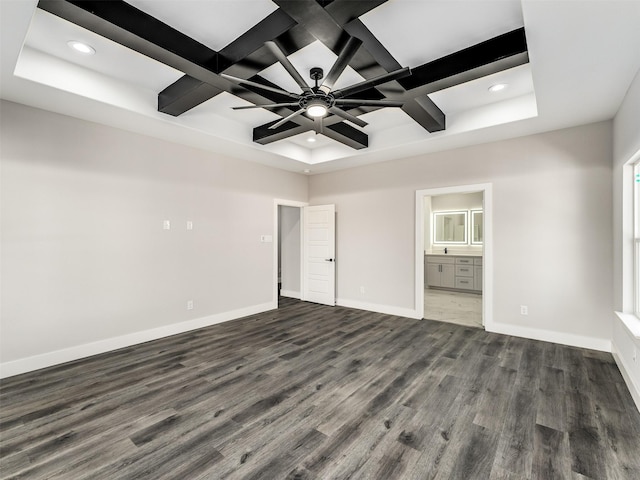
487 263
276 239
36 362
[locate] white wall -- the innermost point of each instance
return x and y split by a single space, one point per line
626 144
86 264
551 229
290 249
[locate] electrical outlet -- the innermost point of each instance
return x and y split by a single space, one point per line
189 225
166 225
190 305
362 290
524 310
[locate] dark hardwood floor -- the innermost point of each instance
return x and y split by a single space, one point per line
313 392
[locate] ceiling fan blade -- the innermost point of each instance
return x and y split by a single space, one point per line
366 103
347 116
286 119
242 82
359 87
282 58
271 105
341 63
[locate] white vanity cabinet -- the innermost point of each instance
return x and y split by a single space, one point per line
454 272
440 271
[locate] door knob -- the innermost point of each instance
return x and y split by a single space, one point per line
328 259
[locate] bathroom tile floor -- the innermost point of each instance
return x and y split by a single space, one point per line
453 307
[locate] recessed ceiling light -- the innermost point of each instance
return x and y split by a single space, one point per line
311 139
306 170
497 87
81 47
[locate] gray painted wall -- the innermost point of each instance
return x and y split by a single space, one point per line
84 254
551 227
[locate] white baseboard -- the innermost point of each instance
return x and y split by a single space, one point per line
601 344
625 370
36 362
290 294
375 307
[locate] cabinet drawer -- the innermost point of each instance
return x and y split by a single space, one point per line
477 261
440 259
464 271
464 260
464 282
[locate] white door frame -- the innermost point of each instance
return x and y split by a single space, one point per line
487 262
276 239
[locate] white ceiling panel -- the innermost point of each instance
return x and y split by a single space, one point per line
214 23
49 34
425 30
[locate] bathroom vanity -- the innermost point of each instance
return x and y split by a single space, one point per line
454 272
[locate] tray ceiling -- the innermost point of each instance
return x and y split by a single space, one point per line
120 87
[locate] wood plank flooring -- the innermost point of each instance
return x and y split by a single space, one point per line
314 392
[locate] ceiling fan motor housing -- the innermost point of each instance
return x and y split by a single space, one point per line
319 99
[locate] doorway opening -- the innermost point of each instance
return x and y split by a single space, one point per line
288 251
454 255
304 252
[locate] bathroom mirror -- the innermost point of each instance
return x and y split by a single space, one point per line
450 227
476 227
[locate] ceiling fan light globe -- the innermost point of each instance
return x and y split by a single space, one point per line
317 111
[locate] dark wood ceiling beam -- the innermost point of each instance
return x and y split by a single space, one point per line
317 21
491 56
348 135
242 59
122 23
133 28
339 131
344 11
272 26
426 113
264 135
371 61
423 110
188 92
185 94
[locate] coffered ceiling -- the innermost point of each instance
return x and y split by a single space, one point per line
578 61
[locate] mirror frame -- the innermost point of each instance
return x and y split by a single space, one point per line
452 212
472 224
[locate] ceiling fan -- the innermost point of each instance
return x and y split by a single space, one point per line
320 100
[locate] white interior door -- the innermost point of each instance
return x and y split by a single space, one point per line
319 254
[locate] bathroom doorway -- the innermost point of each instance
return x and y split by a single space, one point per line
452 265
